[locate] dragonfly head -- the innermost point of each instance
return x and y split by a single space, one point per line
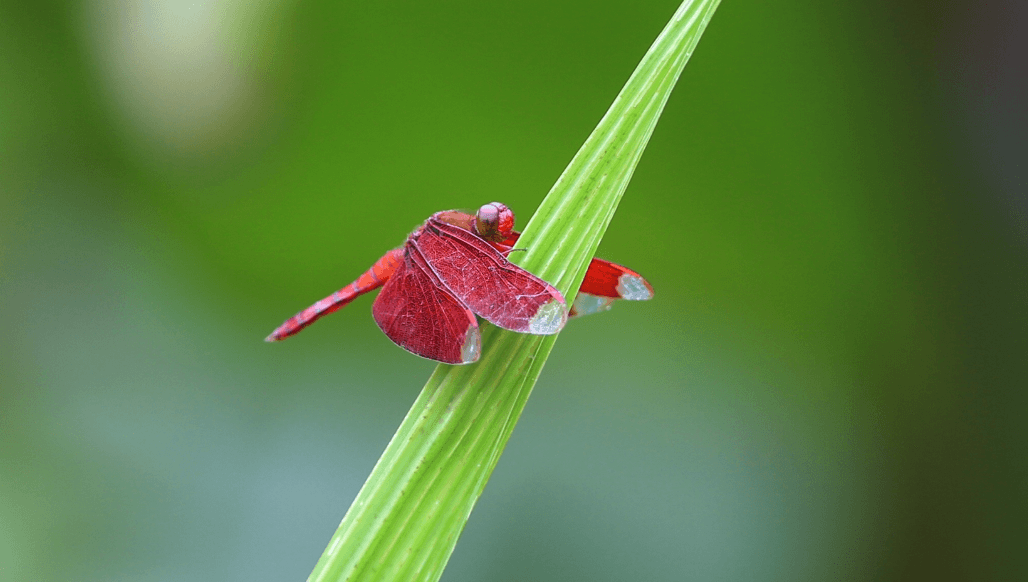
494 221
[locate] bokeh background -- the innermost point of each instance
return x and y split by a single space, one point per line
829 385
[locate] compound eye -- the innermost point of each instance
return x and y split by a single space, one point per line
494 221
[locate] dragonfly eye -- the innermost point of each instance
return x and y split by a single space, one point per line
494 221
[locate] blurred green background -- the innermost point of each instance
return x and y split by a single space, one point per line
829 384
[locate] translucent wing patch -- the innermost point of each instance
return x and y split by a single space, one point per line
586 304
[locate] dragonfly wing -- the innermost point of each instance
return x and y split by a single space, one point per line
586 304
480 276
607 279
417 312
603 280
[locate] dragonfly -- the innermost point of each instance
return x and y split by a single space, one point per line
453 268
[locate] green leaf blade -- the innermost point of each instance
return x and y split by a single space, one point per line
407 518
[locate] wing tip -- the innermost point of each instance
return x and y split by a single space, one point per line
634 288
587 304
472 346
549 318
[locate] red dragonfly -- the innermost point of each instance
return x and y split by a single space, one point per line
455 266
